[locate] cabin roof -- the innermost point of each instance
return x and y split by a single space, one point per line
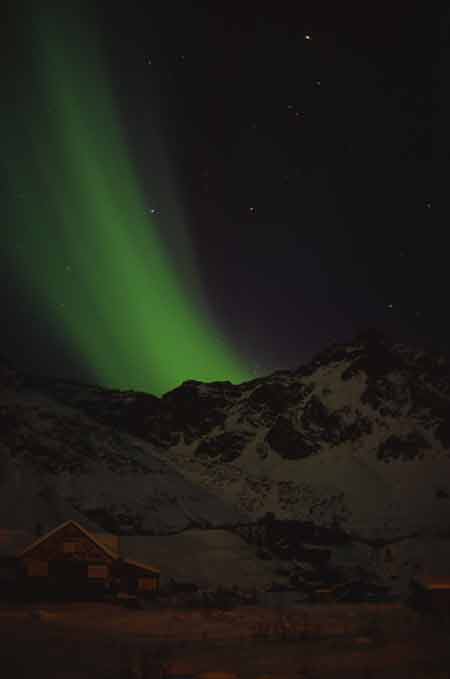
90 536
110 541
144 566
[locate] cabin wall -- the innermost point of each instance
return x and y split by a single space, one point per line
135 580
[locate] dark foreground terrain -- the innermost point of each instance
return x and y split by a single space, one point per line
105 641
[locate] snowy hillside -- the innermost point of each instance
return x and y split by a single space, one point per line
357 443
57 463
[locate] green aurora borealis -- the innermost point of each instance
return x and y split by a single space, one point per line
85 245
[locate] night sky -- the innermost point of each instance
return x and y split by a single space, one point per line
282 160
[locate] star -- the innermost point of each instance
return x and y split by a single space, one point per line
390 306
428 205
251 209
307 36
317 83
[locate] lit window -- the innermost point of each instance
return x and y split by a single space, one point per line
146 584
99 572
70 547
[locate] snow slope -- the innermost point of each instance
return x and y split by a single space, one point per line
57 463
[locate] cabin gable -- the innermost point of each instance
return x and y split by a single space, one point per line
69 542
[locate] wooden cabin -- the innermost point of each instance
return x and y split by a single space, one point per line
70 562
431 594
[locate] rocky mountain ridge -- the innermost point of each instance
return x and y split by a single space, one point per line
357 442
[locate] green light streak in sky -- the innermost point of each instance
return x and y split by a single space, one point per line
86 244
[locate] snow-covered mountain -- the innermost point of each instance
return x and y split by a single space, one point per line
57 463
351 449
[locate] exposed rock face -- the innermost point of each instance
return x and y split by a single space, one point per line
369 404
226 447
408 447
288 442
